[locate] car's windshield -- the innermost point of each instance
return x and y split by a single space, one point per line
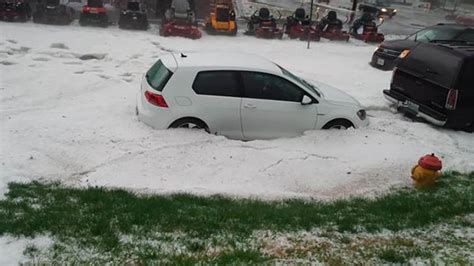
437 34
303 82
382 3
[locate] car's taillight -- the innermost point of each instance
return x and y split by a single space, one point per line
452 99
86 9
156 99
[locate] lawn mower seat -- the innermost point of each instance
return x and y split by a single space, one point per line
181 9
133 6
264 14
300 14
370 28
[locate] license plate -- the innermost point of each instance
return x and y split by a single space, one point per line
412 106
92 11
134 18
380 62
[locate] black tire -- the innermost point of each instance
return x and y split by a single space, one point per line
82 21
470 129
338 124
190 123
37 18
234 31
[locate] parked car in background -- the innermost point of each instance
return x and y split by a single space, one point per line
240 96
378 8
388 53
53 12
435 82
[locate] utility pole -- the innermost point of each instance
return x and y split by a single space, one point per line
354 8
310 21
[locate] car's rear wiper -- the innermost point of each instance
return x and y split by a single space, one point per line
454 41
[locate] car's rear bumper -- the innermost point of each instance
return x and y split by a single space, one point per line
403 104
383 61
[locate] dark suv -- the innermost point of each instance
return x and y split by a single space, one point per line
387 55
435 82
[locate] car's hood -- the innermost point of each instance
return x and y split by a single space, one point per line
333 94
399 45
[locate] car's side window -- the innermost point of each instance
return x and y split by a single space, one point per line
270 87
217 83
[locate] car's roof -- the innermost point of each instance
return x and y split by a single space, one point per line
225 61
461 49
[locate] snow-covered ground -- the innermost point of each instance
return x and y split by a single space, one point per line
73 120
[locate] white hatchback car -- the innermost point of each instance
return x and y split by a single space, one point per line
240 96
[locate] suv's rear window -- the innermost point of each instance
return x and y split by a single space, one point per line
467 36
466 77
158 76
217 83
434 63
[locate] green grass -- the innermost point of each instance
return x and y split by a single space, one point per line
98 218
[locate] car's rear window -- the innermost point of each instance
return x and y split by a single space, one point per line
134 6
52 2
436 34
95 3
217 83
158 76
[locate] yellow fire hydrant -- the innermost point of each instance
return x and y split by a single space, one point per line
427 171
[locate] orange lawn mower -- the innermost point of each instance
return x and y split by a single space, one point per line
222 19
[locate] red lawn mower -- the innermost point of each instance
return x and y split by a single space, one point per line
264 25
179 21
299 26
15 11
331 28
366 30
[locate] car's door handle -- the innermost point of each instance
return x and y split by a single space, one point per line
250 106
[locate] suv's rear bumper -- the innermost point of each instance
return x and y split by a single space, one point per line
423 112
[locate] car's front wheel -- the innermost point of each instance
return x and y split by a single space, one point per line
338 124
190 123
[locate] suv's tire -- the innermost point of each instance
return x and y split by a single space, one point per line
338 124
190 123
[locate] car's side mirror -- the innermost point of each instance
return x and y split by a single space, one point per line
306 100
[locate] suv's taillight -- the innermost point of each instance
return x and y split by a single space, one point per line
452 99
156 99
395 69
